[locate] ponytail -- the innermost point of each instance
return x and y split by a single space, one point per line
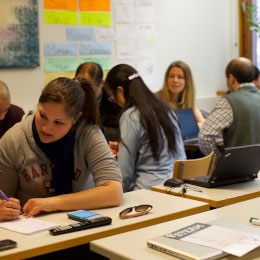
90 111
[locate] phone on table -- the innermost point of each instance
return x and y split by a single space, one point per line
7 244
82 215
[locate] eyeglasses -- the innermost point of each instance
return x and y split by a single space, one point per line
139 211
186 187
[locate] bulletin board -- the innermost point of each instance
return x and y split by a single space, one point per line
102 31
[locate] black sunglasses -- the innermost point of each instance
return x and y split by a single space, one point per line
139 211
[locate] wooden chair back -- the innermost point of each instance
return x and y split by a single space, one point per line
185 169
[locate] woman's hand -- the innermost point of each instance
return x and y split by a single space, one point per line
10 210
35 206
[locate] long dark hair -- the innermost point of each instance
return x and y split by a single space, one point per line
154 113
77 96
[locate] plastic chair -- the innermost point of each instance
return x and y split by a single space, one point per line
186 169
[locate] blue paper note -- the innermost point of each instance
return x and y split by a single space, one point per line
61 49
80 34
95 48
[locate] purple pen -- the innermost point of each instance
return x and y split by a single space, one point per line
6 198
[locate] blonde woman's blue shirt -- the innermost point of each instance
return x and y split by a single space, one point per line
138 167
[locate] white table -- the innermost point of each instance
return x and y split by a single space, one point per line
220 196
165 208
132 245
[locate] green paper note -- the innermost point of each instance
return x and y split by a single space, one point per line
61 64
104 62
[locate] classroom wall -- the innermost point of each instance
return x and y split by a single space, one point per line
203 33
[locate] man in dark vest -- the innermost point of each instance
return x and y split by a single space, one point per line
237 115
9 114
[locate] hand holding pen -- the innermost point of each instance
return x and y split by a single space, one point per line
10 208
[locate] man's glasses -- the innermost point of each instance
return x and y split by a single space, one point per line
139 211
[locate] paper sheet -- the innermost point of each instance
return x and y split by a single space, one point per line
28 226
229 240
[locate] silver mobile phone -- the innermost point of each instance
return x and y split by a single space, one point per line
6 244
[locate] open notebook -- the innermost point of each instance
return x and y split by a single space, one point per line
236 164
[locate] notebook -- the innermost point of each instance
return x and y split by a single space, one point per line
236 164
188 126
190 251
28 226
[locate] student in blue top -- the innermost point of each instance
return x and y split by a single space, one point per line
150 139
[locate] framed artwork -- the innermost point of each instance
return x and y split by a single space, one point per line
19 34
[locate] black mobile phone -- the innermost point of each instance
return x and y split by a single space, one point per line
6 244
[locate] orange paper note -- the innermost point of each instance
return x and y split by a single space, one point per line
94 5
61 4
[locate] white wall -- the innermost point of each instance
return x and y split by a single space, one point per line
203 33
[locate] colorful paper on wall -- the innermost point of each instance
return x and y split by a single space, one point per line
144 10
61 49
80 34
94 5
147 69
95 48
61 64
61 4
124 13
87 18
104 62
53 75
60 17
104 34
125 31
126 50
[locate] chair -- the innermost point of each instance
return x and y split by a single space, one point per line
185 169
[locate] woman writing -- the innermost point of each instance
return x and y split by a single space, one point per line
149 133
57 158
178 89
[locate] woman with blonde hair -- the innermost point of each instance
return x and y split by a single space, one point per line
178 89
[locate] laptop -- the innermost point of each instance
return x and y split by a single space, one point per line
236 164
188 126
190 251
183 249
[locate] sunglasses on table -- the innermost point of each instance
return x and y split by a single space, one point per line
139 211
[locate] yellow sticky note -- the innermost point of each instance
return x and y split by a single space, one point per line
61 4
60 17
53 75
88 18
94 5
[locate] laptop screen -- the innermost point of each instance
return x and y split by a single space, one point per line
188 124
238 162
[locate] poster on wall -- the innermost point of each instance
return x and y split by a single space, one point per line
19 45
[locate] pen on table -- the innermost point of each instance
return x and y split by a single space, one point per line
6 198
255 221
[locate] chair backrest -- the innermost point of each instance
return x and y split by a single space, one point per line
185 169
